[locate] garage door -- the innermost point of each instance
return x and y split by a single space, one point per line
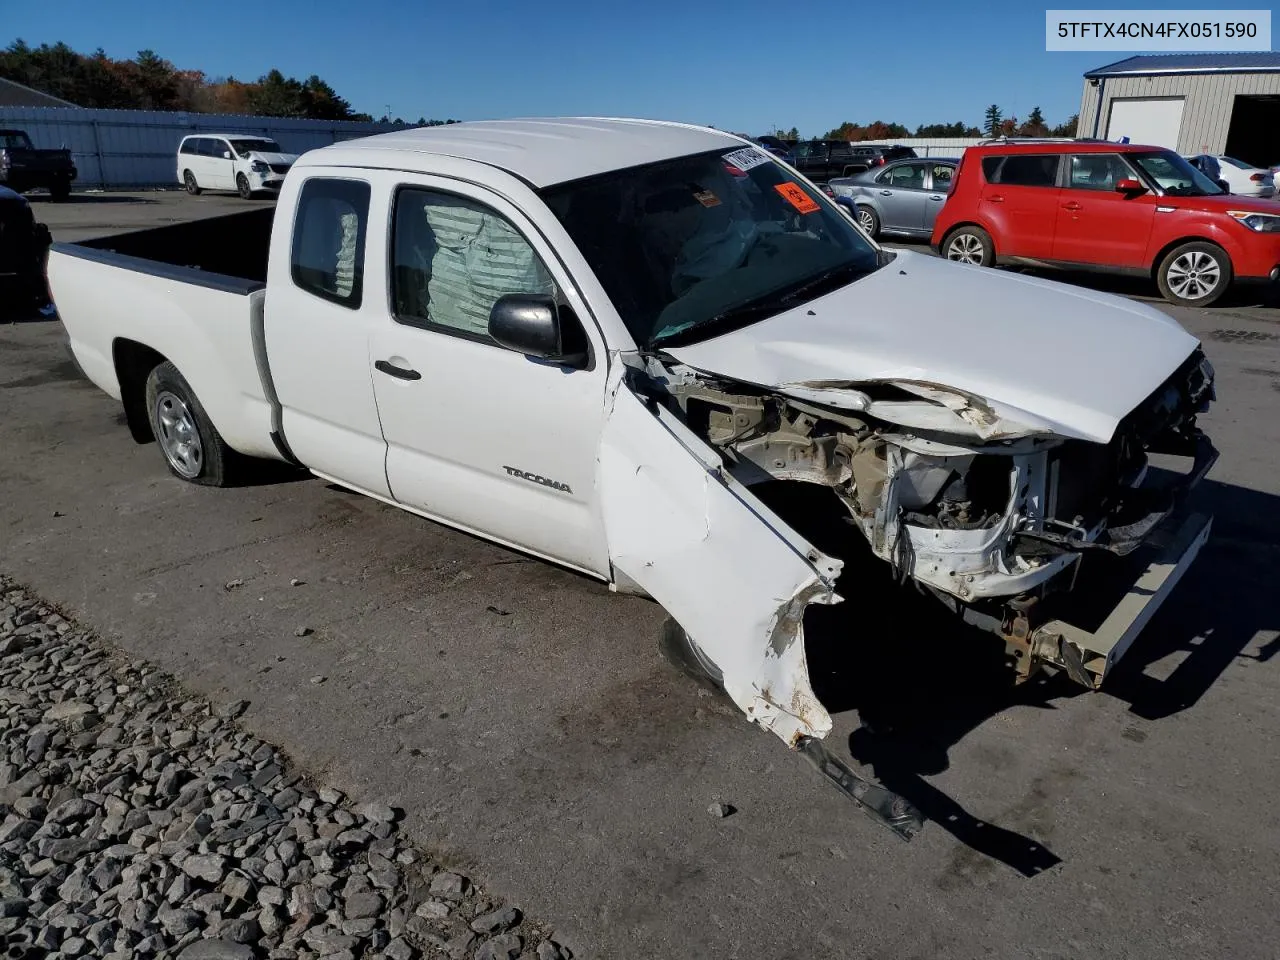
1154 121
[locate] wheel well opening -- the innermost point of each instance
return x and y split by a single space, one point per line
134 362
1174 244
960 226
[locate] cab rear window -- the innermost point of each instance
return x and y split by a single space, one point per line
1021 170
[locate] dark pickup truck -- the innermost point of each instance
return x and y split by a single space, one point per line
23 167
821 160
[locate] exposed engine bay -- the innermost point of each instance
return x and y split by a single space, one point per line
985 514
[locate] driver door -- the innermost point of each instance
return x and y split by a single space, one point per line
1097 225
478 435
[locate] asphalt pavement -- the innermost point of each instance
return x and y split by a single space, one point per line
523 719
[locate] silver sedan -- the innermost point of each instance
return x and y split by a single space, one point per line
901 198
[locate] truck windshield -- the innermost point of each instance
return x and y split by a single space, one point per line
246 147
696 246
14 140
1175 175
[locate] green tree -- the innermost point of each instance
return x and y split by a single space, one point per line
1067 129
992 120
1034 125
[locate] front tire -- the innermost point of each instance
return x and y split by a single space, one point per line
193 449
1194 274
679 650
242 187
60 190
970 245
189 179
867 220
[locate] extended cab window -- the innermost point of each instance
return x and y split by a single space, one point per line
452 258
1098 171
1021 170
328 239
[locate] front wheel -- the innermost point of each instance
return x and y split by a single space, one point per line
679 649
191 444
242 187
970 245
1194 274
60 190
189 179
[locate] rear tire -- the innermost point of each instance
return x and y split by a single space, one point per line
867 220
1194 274
242 187
193 449
189 179
969 245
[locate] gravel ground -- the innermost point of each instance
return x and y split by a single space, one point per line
141 822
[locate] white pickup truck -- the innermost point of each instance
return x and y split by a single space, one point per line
613 343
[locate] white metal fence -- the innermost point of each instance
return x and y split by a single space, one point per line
139 148
931 146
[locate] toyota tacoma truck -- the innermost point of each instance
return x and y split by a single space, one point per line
610 343
23 167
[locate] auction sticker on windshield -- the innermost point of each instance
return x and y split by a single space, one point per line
746 158
796 197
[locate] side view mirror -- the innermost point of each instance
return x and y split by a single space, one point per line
535 325
1226 187
226 154
1129 185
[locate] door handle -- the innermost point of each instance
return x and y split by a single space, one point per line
937 196
400 373
1071 206
886 193
996 198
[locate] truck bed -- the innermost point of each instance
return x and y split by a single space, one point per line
227 252
193 293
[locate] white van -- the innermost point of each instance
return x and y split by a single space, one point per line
232 161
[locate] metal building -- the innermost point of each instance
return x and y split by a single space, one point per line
139 148
1217 103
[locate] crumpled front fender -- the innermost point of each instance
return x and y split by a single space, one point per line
733 575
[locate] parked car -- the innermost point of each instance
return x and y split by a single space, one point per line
23 167
669 335
878 155
782 149
1119 208
901 198
24 243
1245 179
1208 164
232 161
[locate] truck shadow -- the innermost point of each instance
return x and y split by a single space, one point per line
920 682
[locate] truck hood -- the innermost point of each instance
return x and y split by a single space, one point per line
997 354
278 158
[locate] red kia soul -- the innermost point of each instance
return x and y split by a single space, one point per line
1119 208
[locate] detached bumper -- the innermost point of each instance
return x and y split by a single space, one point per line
1089 655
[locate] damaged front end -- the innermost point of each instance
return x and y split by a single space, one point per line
990 514
988 509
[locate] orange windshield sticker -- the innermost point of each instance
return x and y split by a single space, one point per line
794 195
707 198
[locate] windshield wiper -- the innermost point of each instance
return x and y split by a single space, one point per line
844 272
721 322
767 305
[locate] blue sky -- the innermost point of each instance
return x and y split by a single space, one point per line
744 66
